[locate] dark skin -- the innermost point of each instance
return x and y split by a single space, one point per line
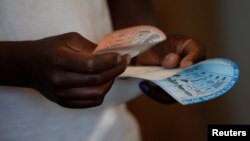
177 51
64 70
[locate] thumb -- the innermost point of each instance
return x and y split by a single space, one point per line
171 60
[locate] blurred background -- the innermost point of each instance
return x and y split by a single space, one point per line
224 27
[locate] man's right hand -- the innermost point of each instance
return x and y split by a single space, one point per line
63 68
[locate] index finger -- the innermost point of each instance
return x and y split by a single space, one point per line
193 51
86 63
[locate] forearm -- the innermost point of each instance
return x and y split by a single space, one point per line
10 72
125 13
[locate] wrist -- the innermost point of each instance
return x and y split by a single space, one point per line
10 71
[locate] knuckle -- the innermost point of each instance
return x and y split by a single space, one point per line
100 78
100 93
197 43
57 56
91 80
190 39
193 41
54 79
55 59
97 79
90 65
73 35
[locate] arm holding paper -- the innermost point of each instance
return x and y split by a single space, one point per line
64 69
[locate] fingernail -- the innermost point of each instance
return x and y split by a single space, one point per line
169 57
170 61
186 64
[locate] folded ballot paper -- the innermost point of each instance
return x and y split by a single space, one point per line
197 83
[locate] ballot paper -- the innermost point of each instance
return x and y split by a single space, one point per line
149 72
131 41
198 83
201 82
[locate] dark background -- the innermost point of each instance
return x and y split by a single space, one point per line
224 27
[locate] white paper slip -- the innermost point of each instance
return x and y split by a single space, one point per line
131 41
201 82
149 72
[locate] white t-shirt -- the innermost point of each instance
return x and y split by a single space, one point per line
25 115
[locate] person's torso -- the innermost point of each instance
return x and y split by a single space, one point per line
25 114
35 19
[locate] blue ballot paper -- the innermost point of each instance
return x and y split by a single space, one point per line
200 82
197 83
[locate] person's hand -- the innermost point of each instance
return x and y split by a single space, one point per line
64 70
176 51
